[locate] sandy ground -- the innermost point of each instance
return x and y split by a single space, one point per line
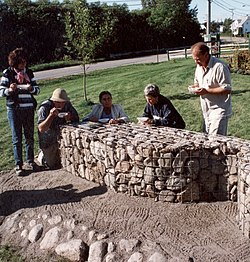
203 231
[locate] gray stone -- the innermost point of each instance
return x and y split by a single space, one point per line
111 247
74 250
157 257
97 251
35 233
136 257
111 257
50 239
55 220
128 245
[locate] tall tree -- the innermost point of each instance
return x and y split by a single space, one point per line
175 21
87 28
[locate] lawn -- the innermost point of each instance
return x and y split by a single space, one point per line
126 85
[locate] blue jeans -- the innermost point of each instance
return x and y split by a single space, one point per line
22 120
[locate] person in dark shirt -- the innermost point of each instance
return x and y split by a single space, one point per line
53 113
159 110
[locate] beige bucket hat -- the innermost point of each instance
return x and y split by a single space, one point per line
59 95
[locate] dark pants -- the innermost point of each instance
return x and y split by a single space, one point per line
22 120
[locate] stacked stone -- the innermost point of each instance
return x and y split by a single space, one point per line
164 163
244 194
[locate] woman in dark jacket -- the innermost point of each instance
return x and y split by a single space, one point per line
159 110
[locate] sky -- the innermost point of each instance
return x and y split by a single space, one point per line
221 9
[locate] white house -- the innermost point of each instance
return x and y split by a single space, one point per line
241 26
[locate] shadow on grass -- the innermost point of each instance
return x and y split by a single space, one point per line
239 92
13 200
182 96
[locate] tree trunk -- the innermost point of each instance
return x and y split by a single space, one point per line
85 82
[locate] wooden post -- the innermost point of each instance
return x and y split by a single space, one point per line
168 58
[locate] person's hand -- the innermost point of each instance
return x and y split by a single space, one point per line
13 87
148 122
68 117
201 91
54 112
30 88
114 121
93 119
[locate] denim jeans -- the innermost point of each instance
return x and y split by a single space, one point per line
22 120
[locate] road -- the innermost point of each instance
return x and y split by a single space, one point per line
76 70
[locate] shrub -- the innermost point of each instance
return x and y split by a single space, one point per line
240 62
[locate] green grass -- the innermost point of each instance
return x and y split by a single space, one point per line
9 254
127 84
53 65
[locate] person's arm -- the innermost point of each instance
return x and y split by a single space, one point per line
223 82
73 115
34 88
7 88
170 118
147 111
94 114
119 114
44 125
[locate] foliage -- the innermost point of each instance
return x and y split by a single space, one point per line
240 62
174 19
227 25
8 254
36 26
49 29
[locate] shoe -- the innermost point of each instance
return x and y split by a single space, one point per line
19 171
31 166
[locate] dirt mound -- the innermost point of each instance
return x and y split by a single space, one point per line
203 231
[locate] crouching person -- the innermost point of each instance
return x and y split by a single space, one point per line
53 113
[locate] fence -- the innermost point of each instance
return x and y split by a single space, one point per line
224 50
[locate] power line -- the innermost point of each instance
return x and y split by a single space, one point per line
230 9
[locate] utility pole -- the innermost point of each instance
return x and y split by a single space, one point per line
232 10
208 16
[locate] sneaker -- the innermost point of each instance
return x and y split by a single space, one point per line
19 170
31 166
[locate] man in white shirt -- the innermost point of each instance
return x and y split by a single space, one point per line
213 84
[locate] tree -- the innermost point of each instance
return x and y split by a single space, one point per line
87 28
175 21
36 26
227 25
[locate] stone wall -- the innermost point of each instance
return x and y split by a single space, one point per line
164 163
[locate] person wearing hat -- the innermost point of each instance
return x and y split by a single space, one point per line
52 113
159 110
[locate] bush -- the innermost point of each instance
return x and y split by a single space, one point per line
240 62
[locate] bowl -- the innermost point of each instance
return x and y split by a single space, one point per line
24 87
103 120
62 114
142 119
193 89
156 117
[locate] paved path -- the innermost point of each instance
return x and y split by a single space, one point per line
76 70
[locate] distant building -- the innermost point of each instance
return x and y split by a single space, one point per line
241 27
